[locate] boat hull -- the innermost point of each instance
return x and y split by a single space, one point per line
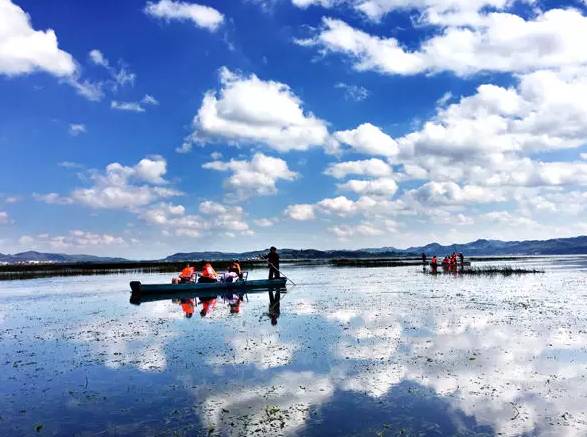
137 287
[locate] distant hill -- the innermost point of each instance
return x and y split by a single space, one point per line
33 256
556 246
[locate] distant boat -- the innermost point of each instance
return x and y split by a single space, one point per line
137 287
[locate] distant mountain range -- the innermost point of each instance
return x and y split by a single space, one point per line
32 256
557 246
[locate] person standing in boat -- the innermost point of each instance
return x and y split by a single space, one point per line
434 264
273 261
208 274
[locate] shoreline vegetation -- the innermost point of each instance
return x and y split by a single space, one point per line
46 270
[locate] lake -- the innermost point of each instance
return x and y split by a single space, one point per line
348 351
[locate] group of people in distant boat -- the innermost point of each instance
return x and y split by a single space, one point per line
233 272
449 263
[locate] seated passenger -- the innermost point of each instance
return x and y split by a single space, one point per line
188 274
208 274
235 267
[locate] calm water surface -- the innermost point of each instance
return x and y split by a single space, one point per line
378 351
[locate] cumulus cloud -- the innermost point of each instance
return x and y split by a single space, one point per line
122 187
368 139
376 187
257 177
250 110
25 50
450 193
3 217
213 217
201 16
485 138
431 11
300 212
370 167
140 106
497 41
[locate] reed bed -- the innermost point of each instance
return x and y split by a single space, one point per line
488 271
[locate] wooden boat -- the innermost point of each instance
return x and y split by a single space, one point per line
137 287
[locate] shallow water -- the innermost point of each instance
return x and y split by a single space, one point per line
346 351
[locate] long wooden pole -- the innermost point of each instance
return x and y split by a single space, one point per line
281 273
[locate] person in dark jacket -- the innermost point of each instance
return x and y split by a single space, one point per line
273 260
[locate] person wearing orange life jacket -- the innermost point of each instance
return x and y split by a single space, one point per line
188 274
208 274
434 264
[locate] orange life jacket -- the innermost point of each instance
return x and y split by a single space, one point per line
187 273
208 271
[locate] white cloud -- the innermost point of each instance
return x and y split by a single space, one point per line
370 167
202 16
250 110
53 199
255 177
70 164
24 50
369 140
498 41
4 218
90 90
214 217
340 205
583 156
134 106
122 187
120 76
431 11
356 93
376 187
76 129
265 222
300 212
97 57
75 239
450 193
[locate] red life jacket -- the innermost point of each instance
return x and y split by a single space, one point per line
187 273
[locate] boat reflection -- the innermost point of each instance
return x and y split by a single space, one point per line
206 301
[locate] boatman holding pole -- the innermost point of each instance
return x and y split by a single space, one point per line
273 261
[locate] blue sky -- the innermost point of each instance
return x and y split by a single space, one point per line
143 128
